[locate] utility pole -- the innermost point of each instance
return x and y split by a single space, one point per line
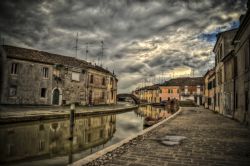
76 47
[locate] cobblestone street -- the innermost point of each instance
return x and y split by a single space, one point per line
211 140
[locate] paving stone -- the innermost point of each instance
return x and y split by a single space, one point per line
211 140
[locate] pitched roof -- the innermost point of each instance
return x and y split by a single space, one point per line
209 72
243 25
48 58
184 81
234 30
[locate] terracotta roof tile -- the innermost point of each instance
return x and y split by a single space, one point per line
49 58
184 81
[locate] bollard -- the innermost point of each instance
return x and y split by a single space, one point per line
72 114
72 120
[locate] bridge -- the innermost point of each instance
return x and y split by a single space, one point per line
122 96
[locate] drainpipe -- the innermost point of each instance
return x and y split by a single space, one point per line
3 58
234 85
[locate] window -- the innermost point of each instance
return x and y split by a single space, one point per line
101 134
75 76
41 127
169 91
89 122
178 91
13 91
103 95
221 52
218 99
210 85
91 79
89 137
103 81
43 92
111 80
14 68
45 72
112 95
10 150
209 101
41 145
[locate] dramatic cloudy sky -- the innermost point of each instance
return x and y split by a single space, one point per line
144 40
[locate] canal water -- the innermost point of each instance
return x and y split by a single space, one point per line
48 143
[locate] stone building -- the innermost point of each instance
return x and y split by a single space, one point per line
41 78
241 42
209 90
222 49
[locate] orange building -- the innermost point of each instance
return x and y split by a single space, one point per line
183 88
169 92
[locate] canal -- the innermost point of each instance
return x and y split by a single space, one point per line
48 143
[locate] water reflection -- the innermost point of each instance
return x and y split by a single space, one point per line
153 115
51 139
49 143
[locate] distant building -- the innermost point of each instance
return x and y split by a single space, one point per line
209 90
241 43
184 88
149 94
169 92
41 78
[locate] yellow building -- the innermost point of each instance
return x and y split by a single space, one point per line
209 90
149 94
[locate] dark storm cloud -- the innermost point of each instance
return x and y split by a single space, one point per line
141 37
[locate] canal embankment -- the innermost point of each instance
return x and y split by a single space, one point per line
14 114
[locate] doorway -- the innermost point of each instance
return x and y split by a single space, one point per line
56 97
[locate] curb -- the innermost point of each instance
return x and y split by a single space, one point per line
30 118
100 153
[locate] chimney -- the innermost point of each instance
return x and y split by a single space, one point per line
242 17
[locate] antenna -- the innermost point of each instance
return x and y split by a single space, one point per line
87 50
76 47
102 52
